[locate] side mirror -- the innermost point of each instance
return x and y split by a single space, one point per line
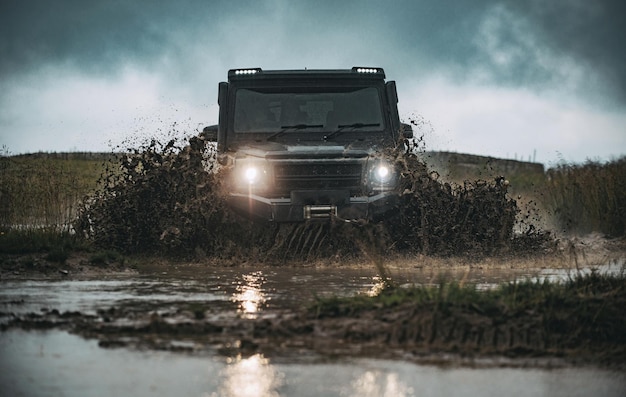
210 133
406 131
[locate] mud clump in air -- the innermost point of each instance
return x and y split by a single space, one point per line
168 199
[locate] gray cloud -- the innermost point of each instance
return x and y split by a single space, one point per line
177 51
591 32
93 36
99 37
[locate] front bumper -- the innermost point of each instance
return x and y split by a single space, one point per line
298 209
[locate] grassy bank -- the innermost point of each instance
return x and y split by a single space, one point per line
580 319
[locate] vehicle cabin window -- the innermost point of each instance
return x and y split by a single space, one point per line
259 110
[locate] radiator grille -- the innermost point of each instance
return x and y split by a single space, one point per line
306 176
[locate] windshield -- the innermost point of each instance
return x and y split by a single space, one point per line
278 111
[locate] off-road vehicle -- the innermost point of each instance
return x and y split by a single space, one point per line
309 144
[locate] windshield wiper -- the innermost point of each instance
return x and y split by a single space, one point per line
295 127
342 128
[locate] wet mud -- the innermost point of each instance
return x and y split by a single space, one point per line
409 332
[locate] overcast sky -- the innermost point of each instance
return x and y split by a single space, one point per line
511 79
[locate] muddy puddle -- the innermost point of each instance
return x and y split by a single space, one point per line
128 335
250 291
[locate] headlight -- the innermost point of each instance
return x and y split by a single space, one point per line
250 175
382 176
382 173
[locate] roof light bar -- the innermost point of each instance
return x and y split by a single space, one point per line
240 72
365 70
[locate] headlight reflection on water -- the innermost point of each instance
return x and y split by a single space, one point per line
253 376
377 287
374 383
249 295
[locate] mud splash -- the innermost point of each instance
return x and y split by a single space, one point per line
168 199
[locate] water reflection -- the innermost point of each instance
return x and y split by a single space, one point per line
377 287
250 377
249 295
378 384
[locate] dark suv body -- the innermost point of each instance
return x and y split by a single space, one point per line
309 144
